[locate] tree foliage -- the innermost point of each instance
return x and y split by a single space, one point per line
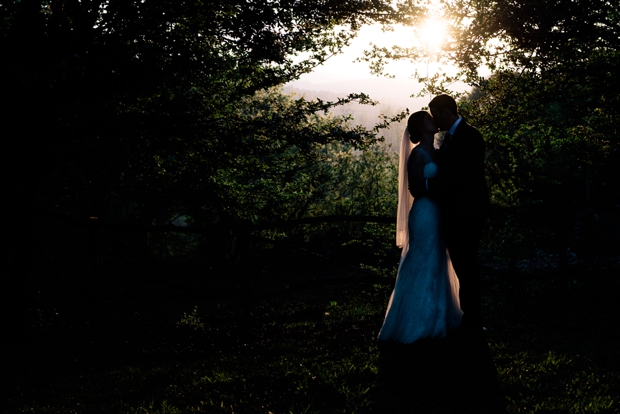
552 98
142 112
544 92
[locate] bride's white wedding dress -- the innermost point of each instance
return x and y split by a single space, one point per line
424 302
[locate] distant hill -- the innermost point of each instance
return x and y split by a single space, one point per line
392 94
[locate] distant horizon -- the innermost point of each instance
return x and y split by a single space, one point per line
394 92
340 74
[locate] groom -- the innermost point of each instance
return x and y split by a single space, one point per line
463 200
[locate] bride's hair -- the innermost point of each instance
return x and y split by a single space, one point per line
415 124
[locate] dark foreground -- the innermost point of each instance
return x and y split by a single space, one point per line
180 345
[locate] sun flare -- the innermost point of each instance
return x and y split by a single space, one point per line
432 33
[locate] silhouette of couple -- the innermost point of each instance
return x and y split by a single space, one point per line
442 207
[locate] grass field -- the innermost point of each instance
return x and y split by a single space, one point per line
174 347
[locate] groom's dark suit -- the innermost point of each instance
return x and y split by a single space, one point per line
464 203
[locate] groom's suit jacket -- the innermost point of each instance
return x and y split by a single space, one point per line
461 185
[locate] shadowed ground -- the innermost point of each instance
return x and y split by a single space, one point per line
181 345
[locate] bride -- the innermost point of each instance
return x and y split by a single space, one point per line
425 299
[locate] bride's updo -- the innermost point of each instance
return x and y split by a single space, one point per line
415 125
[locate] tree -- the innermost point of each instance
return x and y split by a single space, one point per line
553 65
549 108
141 111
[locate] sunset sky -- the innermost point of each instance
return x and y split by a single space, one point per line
341 74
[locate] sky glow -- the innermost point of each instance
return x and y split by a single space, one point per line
342 72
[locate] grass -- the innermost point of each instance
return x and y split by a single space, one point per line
550 348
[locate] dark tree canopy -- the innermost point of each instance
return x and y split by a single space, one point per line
128 78
139 112
552 100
